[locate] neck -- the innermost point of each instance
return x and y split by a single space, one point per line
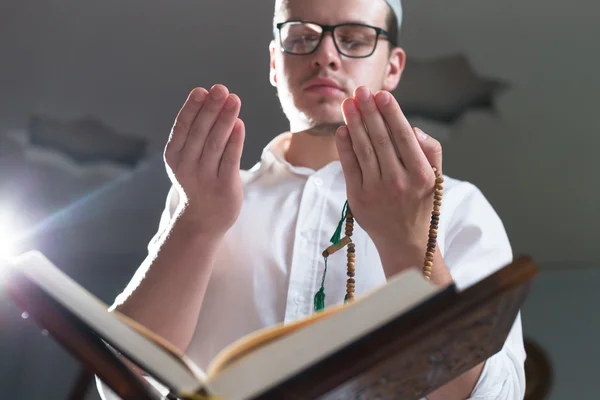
312 148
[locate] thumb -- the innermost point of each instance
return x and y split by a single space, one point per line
431 147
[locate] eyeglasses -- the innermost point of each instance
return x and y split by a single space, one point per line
351 39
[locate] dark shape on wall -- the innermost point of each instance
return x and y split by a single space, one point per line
85 141
538 371
445 88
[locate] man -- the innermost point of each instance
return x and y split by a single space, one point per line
236 252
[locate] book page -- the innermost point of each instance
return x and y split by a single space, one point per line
256 340
165 365
317 338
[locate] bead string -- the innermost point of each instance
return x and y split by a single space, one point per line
338 244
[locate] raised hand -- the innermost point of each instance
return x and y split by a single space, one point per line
389 175
203 159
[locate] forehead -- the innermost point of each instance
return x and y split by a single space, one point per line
371 12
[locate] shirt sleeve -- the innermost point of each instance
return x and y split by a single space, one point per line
166 218
476 245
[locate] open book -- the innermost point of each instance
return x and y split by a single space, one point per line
398 325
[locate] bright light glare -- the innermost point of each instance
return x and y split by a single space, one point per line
7 236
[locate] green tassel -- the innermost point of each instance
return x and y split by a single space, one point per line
320 300
320 295
335 239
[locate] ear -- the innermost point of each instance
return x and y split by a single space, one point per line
272 72
394 69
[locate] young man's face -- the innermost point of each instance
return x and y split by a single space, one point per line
308 102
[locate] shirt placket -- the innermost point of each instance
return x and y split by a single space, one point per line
306 258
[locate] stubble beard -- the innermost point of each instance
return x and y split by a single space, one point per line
323 129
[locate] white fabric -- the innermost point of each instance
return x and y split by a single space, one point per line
270 265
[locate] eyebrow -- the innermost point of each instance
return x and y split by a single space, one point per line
352 21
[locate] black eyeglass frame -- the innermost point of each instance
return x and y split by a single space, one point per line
331 28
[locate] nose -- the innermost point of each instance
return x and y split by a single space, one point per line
326 54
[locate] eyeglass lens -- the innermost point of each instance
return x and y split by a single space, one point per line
352 40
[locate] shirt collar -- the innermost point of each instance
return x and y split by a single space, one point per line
273 154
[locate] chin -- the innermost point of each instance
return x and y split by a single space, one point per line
325 111
315 112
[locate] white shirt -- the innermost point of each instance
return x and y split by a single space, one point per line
269 265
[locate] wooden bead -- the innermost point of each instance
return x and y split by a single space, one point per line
350 274
335 247
351 281
429 254
428 264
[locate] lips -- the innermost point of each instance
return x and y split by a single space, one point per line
324 87
322 83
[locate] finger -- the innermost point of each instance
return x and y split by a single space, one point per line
230 162
402 133
350 165
184 120
431 148
365 153
204 121
389 161
219 135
